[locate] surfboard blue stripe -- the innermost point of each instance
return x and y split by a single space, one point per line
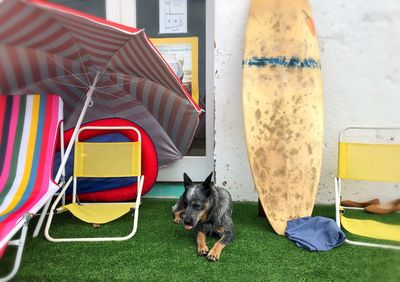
293 62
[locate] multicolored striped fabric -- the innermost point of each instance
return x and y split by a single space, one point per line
46 48
28 131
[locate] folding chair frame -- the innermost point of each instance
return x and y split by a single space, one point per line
140 181
61 184
20 244
338 195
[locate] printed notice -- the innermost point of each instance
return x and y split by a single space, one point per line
173 16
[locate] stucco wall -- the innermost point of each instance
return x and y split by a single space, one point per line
360 56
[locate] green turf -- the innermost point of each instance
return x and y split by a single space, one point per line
162 251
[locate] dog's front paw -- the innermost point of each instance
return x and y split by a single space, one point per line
203 251
213 255
178 220
178 216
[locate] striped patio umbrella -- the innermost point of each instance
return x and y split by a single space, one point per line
99 68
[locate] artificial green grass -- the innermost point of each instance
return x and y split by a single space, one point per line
163 251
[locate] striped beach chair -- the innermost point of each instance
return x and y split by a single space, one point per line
28 132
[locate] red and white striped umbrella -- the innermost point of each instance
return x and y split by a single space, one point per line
47 48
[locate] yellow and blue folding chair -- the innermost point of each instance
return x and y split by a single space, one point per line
102 160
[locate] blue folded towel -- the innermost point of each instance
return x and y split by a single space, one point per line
315 233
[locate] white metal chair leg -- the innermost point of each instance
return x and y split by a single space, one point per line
138 202
364 244
337 201
46 207
20 243
53 207
41 219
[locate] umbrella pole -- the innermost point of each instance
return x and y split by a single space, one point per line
65 156
78 125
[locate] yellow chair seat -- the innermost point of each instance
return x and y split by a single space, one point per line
98 213
371 228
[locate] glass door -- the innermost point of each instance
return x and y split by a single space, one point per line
174 23
93 7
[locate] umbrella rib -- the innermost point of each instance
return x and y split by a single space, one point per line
162 129
75 45
42 81
77 104
73 37
115 52
80 58
130 79
119 84
100 101
67 71
112 95
68 84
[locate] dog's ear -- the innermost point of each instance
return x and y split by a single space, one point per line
187 181
207 185
207 182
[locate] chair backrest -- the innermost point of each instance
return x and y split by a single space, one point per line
374 162
369 161
114 159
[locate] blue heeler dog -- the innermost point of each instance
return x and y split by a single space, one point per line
208 210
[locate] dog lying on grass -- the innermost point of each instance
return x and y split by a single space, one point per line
208 210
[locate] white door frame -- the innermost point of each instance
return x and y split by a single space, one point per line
121 11
197 167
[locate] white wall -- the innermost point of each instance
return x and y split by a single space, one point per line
360 56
